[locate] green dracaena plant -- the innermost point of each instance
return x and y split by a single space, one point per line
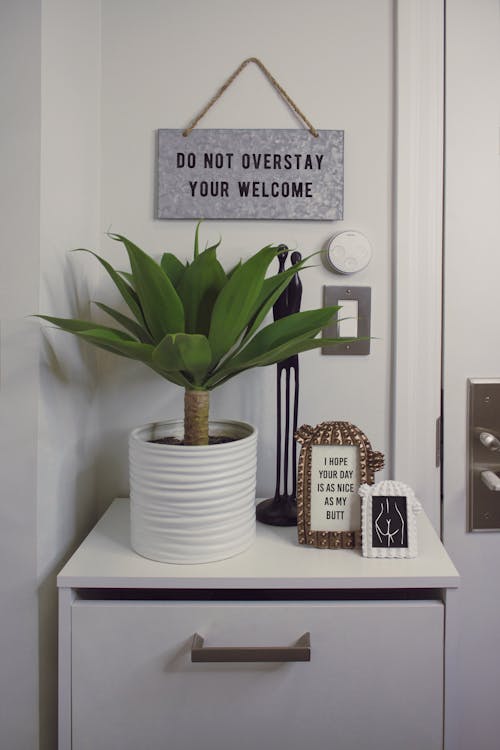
198 326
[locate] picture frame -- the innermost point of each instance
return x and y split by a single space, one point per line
335 459
388 520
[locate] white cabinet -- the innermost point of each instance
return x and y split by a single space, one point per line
375 672
374 679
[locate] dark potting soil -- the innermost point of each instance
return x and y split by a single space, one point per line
212 440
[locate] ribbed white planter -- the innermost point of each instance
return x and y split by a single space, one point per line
192 504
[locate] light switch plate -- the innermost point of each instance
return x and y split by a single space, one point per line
332 295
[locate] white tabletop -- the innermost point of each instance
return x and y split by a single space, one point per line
276 560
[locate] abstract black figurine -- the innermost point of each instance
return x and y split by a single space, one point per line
281 510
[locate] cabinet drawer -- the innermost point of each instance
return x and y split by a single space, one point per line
374 679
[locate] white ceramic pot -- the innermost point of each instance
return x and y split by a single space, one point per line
192 504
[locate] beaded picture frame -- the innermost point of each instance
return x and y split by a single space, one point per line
335 459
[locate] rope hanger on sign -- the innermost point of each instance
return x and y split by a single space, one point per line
273 82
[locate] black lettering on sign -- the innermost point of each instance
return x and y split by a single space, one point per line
184 160
212 189
258 189
334 515
217 161
389 521
324 474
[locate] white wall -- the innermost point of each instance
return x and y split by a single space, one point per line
472 349
69 218
161 63
19 246
49 193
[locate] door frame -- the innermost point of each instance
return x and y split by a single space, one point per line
418 248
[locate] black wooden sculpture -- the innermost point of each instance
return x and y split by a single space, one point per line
281 510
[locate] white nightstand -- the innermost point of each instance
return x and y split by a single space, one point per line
376 631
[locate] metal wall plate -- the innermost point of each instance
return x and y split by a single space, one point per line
482 454
362 294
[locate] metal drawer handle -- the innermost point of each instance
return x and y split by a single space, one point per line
300 651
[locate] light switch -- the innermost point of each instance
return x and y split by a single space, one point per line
353 320
347 325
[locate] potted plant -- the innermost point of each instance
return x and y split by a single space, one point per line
197 326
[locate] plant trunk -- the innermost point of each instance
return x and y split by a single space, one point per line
196 405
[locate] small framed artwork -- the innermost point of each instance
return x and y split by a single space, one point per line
335 458
388 524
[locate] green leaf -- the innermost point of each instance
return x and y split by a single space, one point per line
198 289
196 236
295 346
233 269
213 247
110 339
128 277
131 349
160 302
126 290
277 341
295 326
189 353
75 325
177 378
138 331
272 289
235 304
197 244
172 267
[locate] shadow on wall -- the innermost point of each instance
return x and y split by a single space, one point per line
67 452
83 518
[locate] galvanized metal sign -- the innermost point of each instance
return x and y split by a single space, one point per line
250 174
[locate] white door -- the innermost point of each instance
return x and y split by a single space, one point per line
471 349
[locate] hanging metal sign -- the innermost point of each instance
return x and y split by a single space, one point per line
250 174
